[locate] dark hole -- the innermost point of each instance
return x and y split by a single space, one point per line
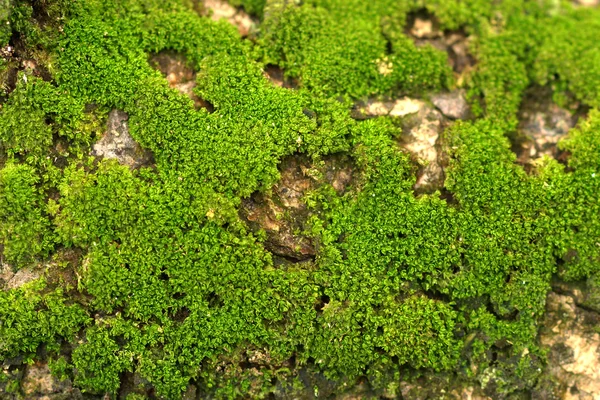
181 314
323 301
214 300
178 295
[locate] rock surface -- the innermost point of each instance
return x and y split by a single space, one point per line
422 126
425 30
179 75
38 383
220 9
570 332
118 144
453 104
282 212
14 280
542 124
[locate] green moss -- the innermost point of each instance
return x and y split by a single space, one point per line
25 231
346 54
569 59
31 316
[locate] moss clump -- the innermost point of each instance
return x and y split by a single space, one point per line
335 52
172 284
25 230
32 316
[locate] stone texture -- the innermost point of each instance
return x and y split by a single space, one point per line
542 124
282 212
220 9
573 361
38 383
118 144
420 134
179 75
14 280
453 104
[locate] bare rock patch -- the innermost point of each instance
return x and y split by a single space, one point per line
220 9
38 383
118 144
424 29
178 73
570 333
542 124
282 212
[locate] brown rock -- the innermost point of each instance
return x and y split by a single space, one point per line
14 280
420 135
180 75
282 212
574 348
38 383
220 9
542 124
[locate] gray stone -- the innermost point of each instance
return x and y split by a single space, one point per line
118 144
453 104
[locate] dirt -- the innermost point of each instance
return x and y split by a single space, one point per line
282 212
117 143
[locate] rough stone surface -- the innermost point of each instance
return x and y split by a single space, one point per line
425 30
118 144
420 134
542 124
453 104
180 75
14 280
282 212
422 126
394 108
220 9
38 383
570 333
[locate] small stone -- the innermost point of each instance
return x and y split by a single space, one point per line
222 10
22 277
588 3
118 144
423 28
406 106
453 105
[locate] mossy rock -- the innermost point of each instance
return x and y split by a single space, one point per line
167 282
